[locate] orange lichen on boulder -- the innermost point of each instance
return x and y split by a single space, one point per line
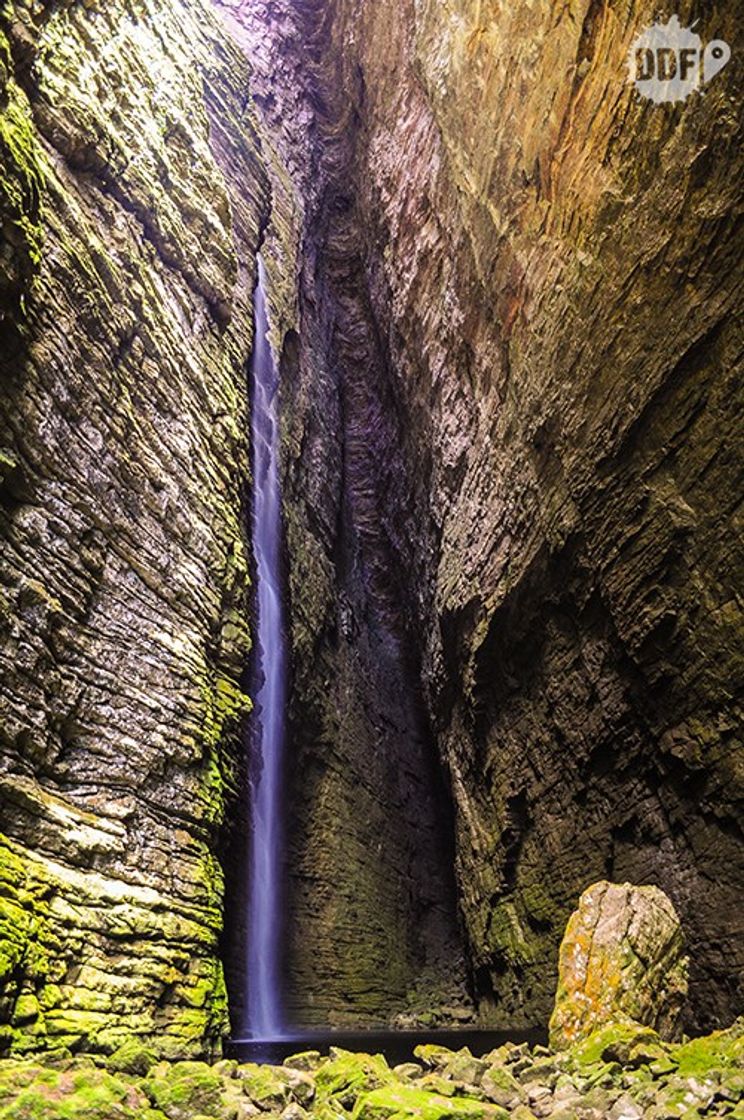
621 961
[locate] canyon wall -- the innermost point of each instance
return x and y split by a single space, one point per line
527 277
510 411
373 931
132 195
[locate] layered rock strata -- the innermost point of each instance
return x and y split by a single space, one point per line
132 195
511 411
373 928
530 275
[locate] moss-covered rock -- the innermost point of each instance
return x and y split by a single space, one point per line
31 1092
21 190
346 1074
132 1057
406 1101
185 1090
129 229
621 958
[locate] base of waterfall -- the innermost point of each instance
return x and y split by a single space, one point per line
396 1045
620 1072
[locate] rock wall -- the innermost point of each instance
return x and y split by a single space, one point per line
373 929
132 195
510 407
530 276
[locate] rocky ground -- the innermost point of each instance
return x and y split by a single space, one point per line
621 1072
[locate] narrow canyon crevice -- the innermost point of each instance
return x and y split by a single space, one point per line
528 455
504 293
372 908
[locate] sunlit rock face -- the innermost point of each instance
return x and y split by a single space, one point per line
124 466
621 960
528 275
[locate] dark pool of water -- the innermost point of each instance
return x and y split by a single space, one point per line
397 1046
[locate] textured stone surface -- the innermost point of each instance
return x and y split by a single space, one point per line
511 415
622 1072
622 957
530 276
373 932
124 563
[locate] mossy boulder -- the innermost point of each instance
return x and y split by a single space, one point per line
347 1075
721 1051
307 1060
621 959
187 1089
132 1057
464 1068
406 1101
273 1089
501 1087
31 1092
615 1042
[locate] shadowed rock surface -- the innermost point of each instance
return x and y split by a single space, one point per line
530 277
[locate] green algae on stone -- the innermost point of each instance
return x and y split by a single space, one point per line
721 1050
21 184
401 1101
275 1087
265 1086
132 1057
612 1042
31 1092
347 1074
621 959
185 1090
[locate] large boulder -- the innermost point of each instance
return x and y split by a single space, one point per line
621 960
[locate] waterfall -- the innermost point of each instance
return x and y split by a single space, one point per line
263 995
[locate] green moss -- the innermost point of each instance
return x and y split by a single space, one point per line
21 175
28 1092
265 1086
132 1057
349 1073
508 936
718 1051
26 1010
613 1042
433 1056
185 1090
406 1101
224 707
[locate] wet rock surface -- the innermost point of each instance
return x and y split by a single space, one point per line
620 1072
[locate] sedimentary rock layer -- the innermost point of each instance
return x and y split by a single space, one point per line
531 276
132 195
373 929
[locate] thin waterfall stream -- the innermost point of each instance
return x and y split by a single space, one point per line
263 1003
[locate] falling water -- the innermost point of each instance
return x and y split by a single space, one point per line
263 996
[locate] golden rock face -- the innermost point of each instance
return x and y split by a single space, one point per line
622 959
